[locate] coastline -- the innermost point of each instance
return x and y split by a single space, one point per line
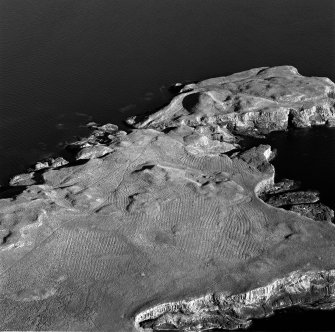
189 147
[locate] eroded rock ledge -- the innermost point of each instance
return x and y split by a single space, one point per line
133 230
217 310
256 101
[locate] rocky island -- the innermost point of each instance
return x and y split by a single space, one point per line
172 225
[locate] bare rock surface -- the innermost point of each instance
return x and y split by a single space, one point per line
283 186
306 203
317 211
293 198
259 100
165 228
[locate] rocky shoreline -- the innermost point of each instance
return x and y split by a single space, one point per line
236 311
174 224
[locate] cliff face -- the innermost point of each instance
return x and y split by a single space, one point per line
260 100
218 310
163 227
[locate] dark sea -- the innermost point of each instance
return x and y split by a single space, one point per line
64 63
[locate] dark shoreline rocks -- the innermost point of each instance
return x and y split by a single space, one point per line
164 226
293 198
285 194
317 211
280 187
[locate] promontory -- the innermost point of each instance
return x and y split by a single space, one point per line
173 224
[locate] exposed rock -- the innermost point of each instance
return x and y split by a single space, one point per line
51 162
295 197
282 186
165 229
58 162
108 127
92 152
315 115
317 211
258 157
330 123
205 140
217 310
101 135
91 124
24 179
259 101
41 165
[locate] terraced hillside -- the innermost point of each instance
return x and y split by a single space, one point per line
162 227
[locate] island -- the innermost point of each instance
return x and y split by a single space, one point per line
173 225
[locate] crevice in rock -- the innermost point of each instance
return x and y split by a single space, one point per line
144 167
5 238
290 119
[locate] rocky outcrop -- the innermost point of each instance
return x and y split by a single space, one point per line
98 143
318 211
218 310
280 187
51 163
258 157
286 194
293 198
260 100
164 227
